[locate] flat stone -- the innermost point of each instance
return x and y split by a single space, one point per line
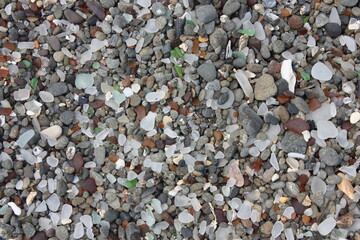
265 87
58 88
207 71
206 13
73 17
67 117
329 156
292 142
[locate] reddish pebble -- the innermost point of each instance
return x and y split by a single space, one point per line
78 162
314 104
89 185
295 22
148 142
297 125
174 105
298 207
4 72
113 158
40 236
140 111
5 111
126 81
347 125
274 67
97 104
144 229
72 62
282 99
218 135
10 45
187 97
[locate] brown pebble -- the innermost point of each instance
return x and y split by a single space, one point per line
89 185
295 22
173 105
345 221
254 43
274 67
9 45
148 142
218 135
314 104
39 236
297 125
78 162
97 104
126 81
150 82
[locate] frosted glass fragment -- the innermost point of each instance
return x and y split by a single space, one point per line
326 129
79 230
326 226
84 80
46 96
25 138
155 96
288 74
277 229
244 83
321 72
148 122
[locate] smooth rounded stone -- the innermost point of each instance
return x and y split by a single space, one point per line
292 189
73 17
292 142
67 117
295 22
99 154
58 56
218 40
354 117
206 13
333 179
251 122
265 87
53 131
265 52
349 3
207 71
288 37
61 143
333 29
57 89
278 46
186 232
239 62
292 109
54 43
277 185
266 228
329 156
84 80
321 72
231 7
229 26
61 233
301 104
112 63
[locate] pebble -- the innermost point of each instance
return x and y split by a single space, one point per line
231 7
349 3
61 233
58 56
207 71
265 87
67 117
278 46
292 142
57 89
218 40
329 156
333 29
73 17
250 121
295 22
29 230
206 13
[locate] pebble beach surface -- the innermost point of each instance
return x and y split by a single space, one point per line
179 119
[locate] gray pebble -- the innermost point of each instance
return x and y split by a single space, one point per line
329 156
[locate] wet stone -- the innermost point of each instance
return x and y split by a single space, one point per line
58 89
